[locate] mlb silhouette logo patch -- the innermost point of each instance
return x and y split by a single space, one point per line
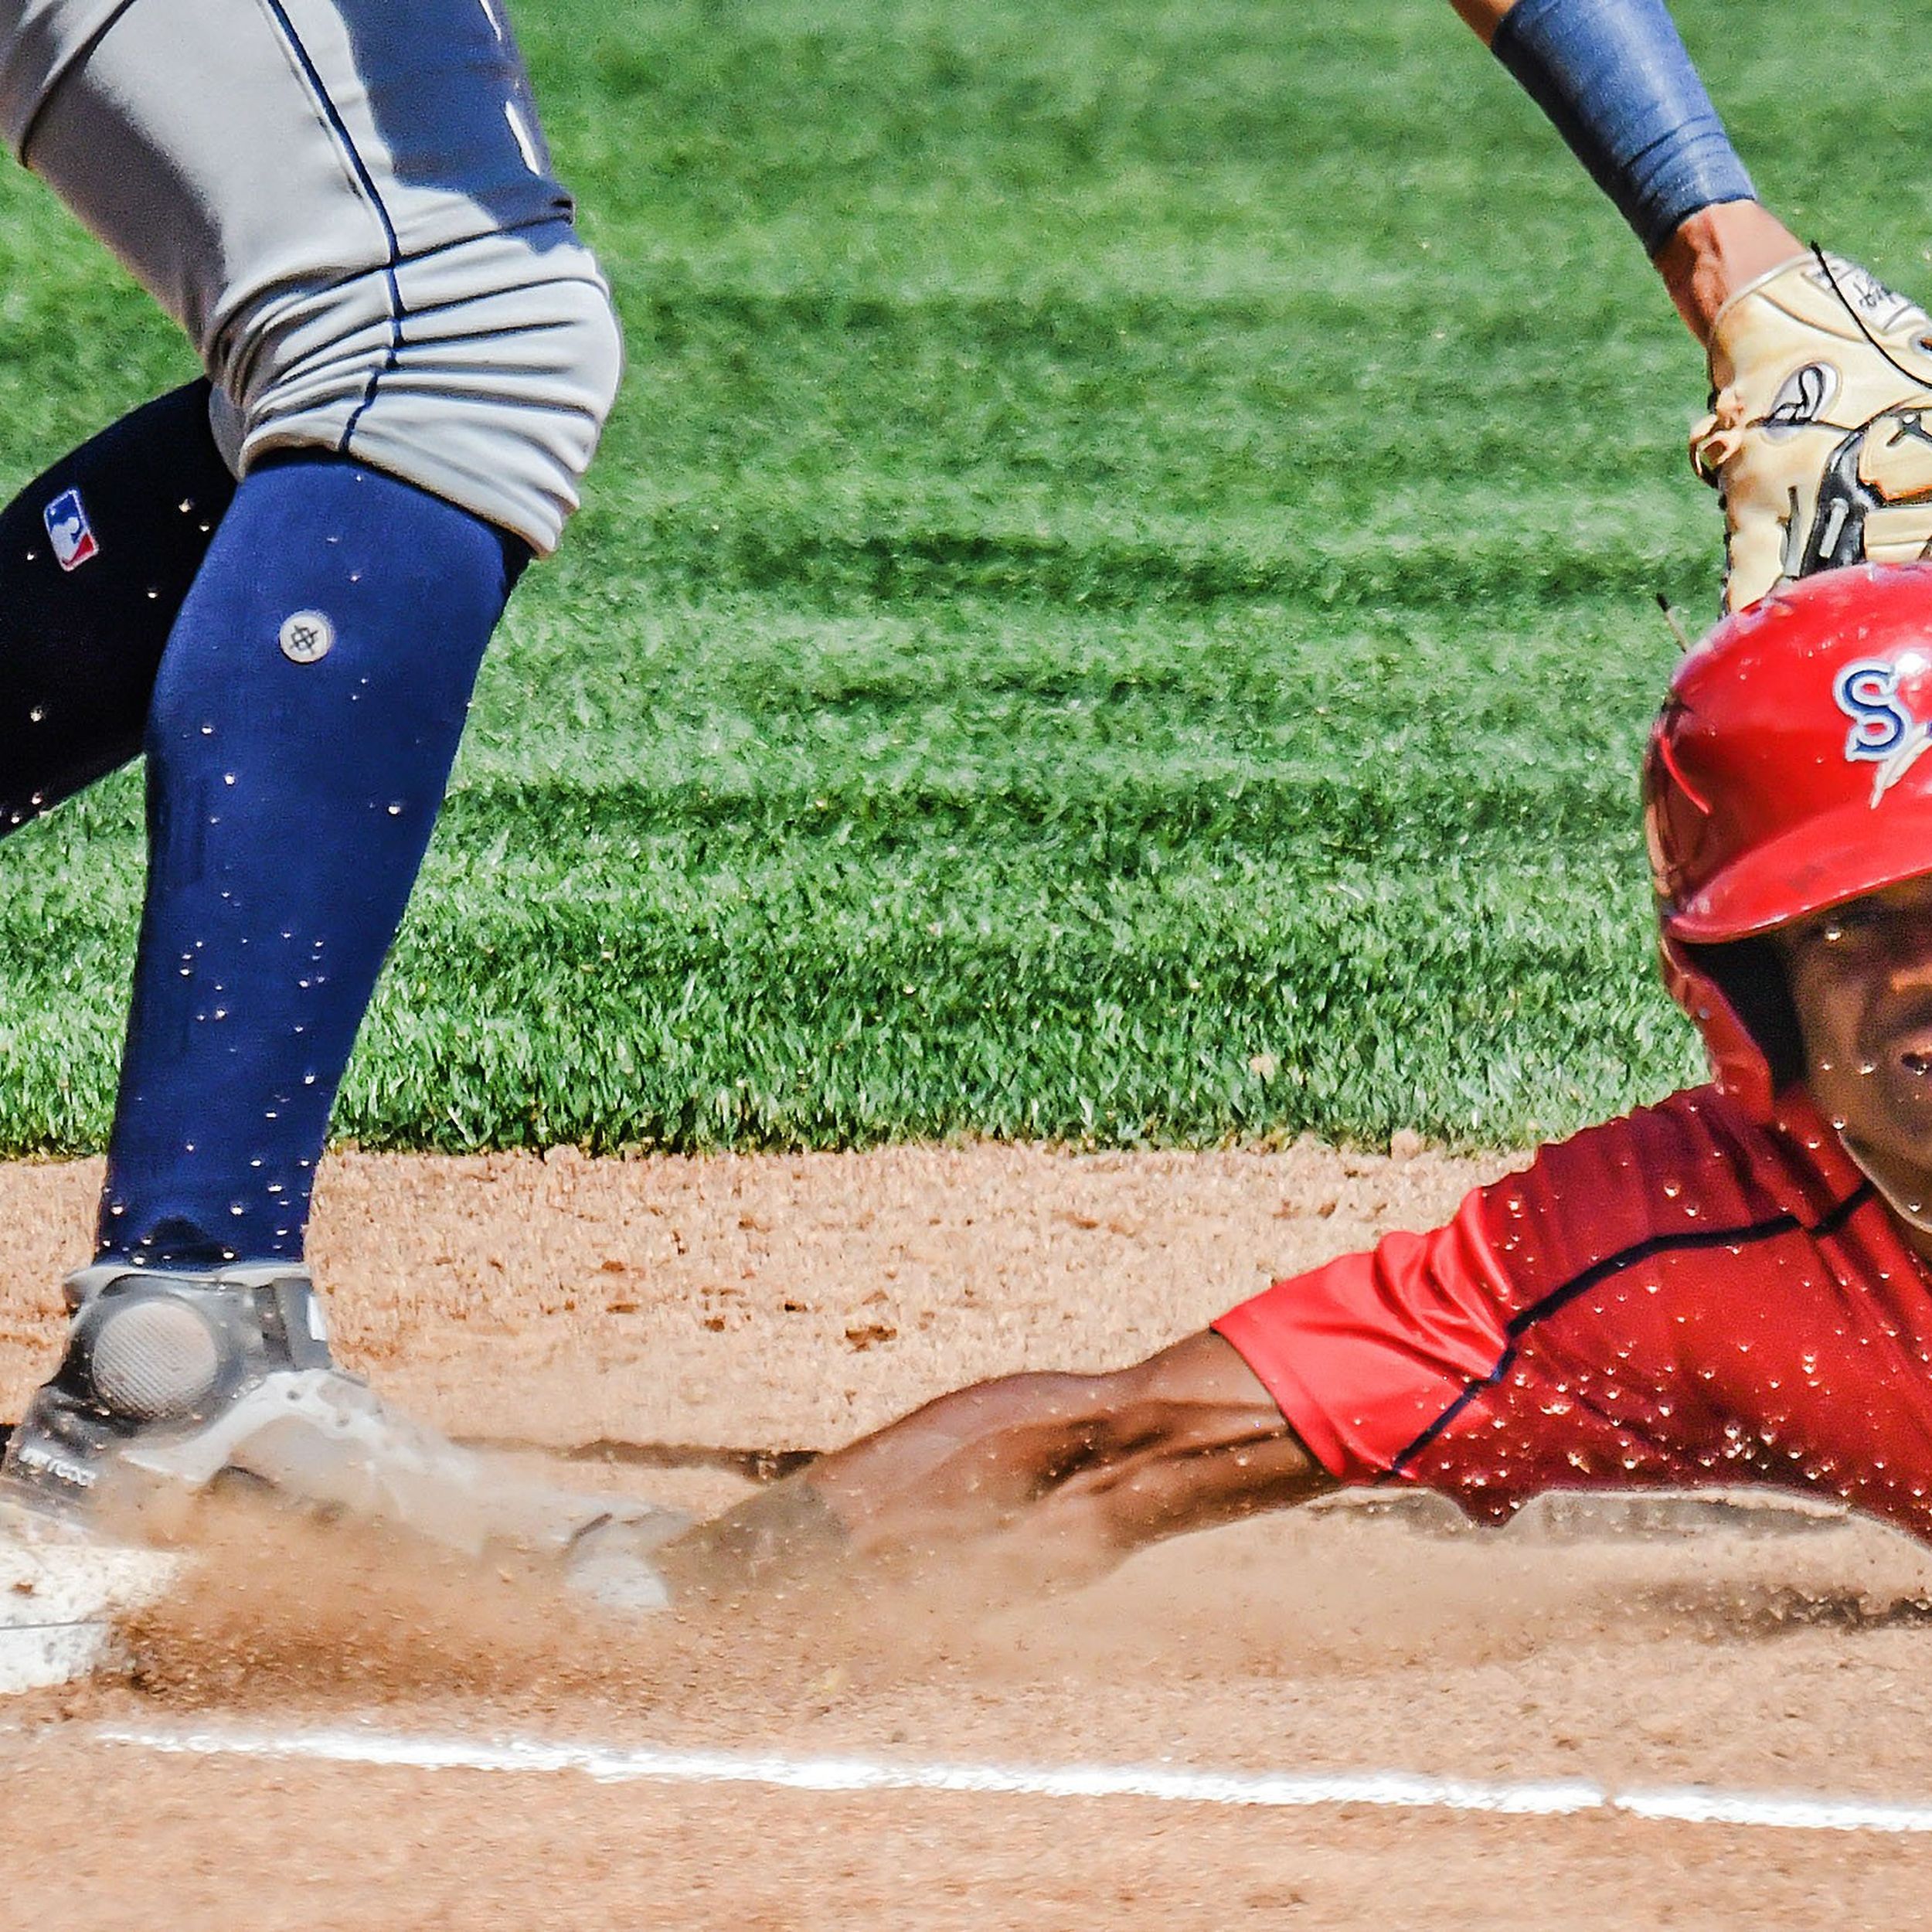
71 534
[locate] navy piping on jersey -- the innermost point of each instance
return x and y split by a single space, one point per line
1525 1319
367 183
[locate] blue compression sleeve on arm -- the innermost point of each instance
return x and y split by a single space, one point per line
1615 78
308 706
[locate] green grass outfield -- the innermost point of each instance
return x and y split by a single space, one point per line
1117 603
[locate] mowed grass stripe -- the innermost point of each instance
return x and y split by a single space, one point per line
1117 603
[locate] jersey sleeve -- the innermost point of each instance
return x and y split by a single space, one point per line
1365 1353
1577 1324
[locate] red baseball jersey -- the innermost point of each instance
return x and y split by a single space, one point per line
1675 1298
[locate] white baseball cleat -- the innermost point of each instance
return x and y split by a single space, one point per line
1819 441
174 1380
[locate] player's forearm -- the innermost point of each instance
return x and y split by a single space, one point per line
1616 81
1043 1479
957 1471
1621 88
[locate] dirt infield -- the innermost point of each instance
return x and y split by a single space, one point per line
778 1304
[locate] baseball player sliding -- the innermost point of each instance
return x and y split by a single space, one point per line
1734 1286
349 207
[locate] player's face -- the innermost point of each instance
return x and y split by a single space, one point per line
1861 979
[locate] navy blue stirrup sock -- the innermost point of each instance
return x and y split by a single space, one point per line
304 722
1614 77
82 621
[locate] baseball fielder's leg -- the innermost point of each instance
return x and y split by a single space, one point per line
1048 1479
349 207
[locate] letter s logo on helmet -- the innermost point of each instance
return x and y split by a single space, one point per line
1867 693
1784 776
1876 696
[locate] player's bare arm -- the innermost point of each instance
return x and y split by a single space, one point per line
1053 1479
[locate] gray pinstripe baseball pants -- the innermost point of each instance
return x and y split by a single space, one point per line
348 207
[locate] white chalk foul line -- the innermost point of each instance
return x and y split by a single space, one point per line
1400 1789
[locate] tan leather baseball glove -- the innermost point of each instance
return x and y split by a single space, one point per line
1819 441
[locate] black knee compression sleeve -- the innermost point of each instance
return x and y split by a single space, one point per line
96 556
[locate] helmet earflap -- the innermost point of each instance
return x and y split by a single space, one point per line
1740 1066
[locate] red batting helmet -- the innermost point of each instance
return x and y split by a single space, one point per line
1786 774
